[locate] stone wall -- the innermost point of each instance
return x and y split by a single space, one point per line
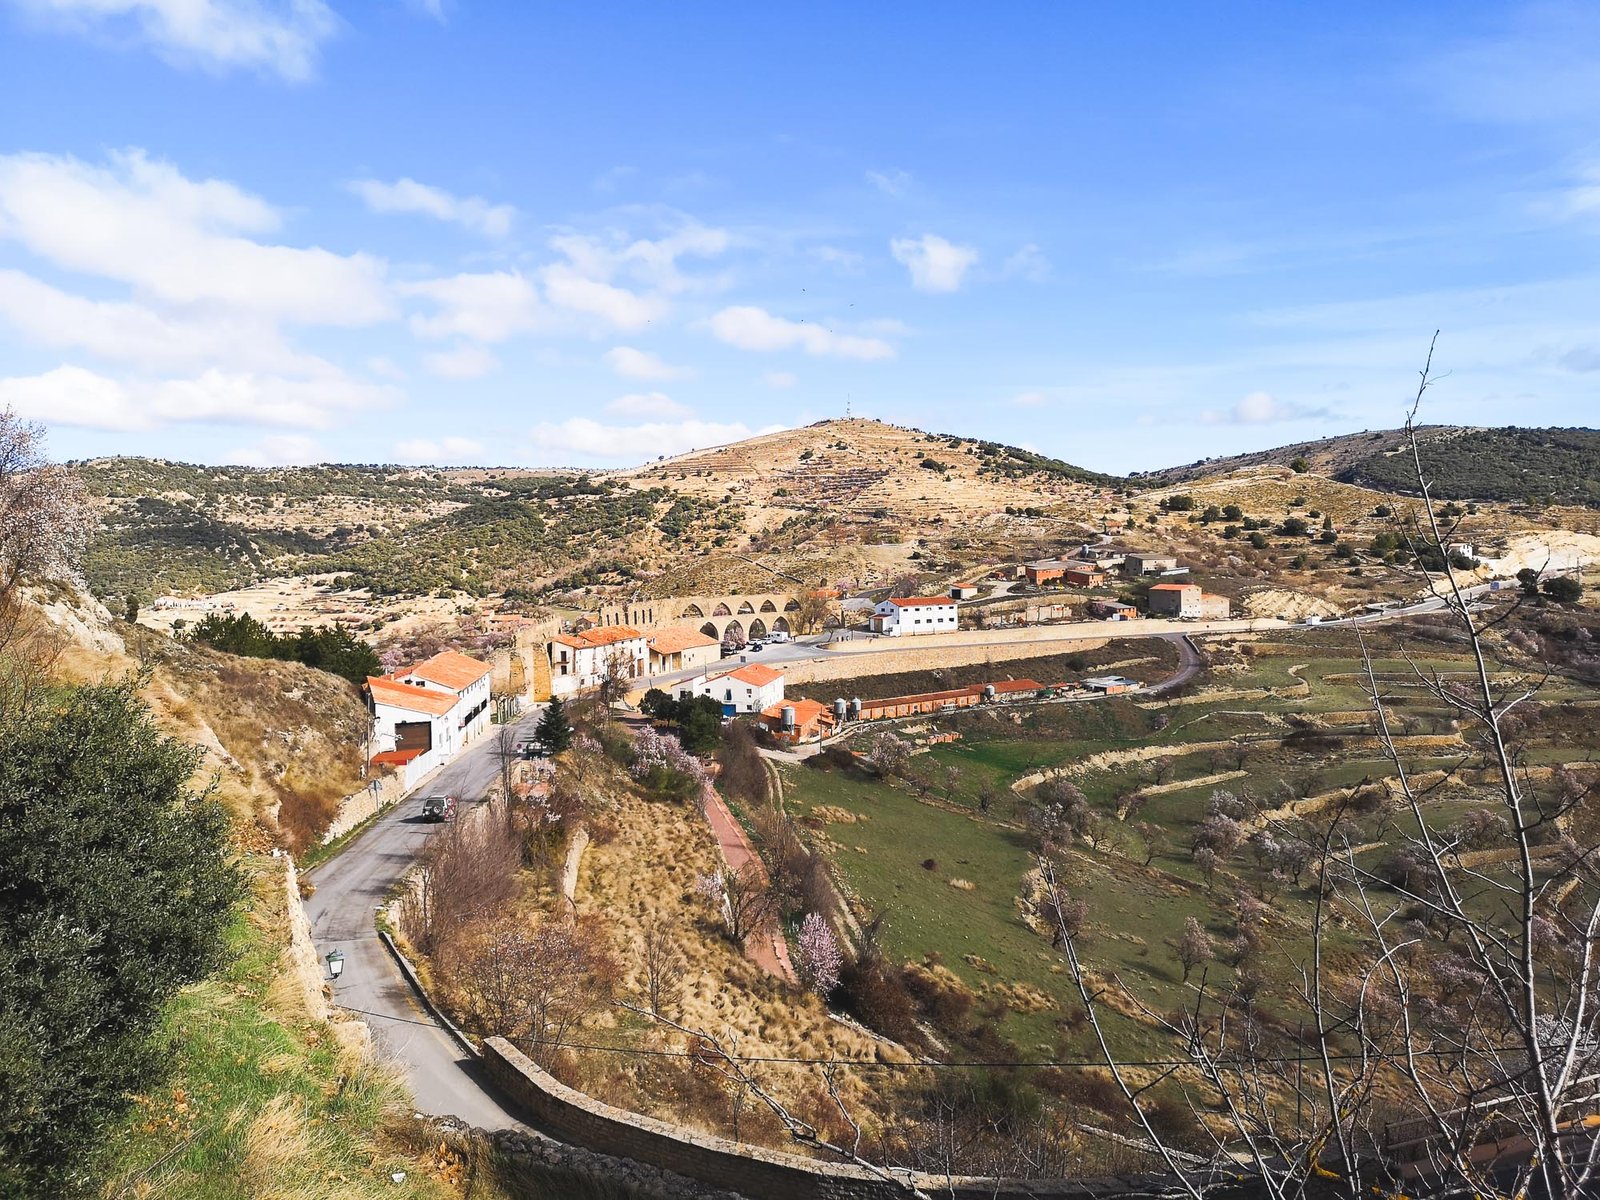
371 800
750 1170
927 658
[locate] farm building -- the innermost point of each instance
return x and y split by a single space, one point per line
965 591
1136 565
1102 556
1214 607
1113 610
681 648
1112 685
936 702
906 615
1047 570
798 720
1181 600
751 688
424 715
1037 614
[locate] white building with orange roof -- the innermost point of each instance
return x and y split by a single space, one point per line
579 661
747 689
682 648
424 715
901 616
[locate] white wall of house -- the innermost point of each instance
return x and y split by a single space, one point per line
891 619
745 697
576 668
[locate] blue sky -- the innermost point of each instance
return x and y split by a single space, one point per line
1127 235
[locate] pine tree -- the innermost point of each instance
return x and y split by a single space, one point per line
554 730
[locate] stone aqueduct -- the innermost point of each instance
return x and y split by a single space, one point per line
734 618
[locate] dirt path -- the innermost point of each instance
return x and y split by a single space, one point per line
768 951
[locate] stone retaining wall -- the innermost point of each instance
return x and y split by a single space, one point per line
368 802
919 658
750 1170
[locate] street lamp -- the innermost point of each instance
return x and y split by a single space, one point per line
335 964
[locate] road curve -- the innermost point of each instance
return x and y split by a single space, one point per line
350 887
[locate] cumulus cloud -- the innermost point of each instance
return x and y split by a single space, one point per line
1028 263
467 361
485 306
780 379
581 437
628 282
1029 399
72 395
1260 408
641 364
435 451
409 196
139 221
936 265
283 450
750 328
279 37
568 287
648 404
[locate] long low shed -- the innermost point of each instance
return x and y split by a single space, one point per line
934 702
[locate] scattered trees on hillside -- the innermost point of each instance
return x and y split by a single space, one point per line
328 648
698 718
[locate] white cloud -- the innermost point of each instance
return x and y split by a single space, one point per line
440 450
567 287
890 183
409 196
1260 408
486 307
141 222
467 361
641 364
780 379
752 328
580 437
1029 399
281 38
1028 263
124 332
936 265
648 404
72 395
846 262
284 450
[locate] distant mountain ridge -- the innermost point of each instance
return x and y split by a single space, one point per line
1512 463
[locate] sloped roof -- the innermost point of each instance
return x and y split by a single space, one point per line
1175 587
671 641
404 695
754 674
918 601
805 711
609 635
451 669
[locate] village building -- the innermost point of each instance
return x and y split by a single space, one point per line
1136 565
1112 685
1113 610
751 688
798 720
1102 556
1181 600
1081 576
1214 607
905 615
422 717
580 661
965 591
936 702
681 648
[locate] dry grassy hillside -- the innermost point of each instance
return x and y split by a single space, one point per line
281 742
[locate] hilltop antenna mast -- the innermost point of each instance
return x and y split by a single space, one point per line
847 406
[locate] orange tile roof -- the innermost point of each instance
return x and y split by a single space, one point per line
451 670
606 636
1174 587
805 711
755 675
919 601
395 758
671 641
404 695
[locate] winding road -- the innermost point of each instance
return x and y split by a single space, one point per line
350 888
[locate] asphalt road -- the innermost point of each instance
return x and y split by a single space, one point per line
350 887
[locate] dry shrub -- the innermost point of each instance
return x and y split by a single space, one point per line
941 994
468 874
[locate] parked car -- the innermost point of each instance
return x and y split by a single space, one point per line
529 748
756 647
439 808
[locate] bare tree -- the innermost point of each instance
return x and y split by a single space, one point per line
1471 1007
467 873
816 607
664 966
1194 947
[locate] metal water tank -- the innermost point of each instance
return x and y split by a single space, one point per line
988 691
839 708
855 708
787 714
